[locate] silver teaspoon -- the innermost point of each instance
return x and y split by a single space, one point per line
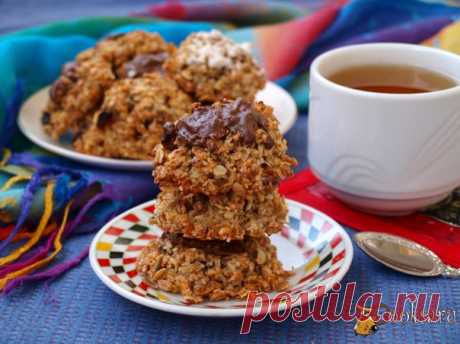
403 255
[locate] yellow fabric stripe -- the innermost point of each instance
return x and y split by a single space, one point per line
7 202
38 232
6 157
15 170
13 180
44 261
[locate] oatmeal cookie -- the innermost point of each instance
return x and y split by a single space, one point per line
222 217
210 66
135 53
79 91
210 270
228 146
75 95
130 121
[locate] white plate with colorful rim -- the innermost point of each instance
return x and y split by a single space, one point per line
315 247
29 122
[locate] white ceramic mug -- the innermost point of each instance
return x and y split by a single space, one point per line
382 152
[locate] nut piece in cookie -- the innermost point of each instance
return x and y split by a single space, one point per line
210 66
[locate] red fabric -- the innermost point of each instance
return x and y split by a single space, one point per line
441 238
174 10
291 39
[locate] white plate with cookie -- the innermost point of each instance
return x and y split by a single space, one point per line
29 122
315 248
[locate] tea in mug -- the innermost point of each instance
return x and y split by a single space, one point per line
388 78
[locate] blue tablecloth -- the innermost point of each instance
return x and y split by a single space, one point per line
78 308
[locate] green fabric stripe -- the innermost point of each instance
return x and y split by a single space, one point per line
93 27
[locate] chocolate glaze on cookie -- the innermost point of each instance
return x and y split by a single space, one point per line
145 63
214 122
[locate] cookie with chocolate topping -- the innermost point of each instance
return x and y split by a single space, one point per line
135 53
228 146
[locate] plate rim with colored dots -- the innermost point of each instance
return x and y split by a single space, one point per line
130 231
29 122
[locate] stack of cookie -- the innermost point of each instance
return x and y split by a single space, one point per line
219 170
